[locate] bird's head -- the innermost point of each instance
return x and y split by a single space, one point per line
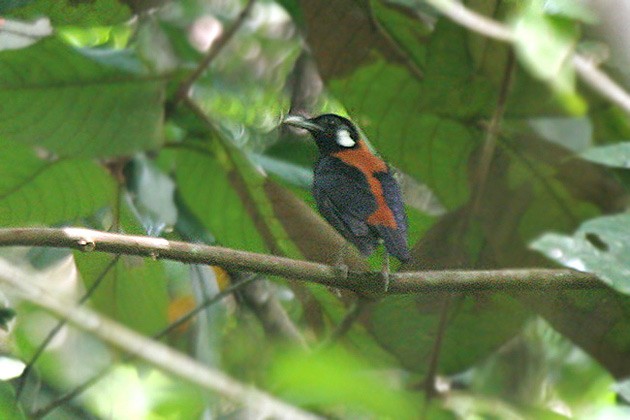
331 132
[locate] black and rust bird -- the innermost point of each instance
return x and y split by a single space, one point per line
354 189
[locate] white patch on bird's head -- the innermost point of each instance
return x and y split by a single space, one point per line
344 138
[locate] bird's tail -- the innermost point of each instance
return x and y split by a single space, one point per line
395 242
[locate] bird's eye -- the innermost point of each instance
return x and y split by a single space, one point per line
344 139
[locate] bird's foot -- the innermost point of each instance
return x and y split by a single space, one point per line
385 275
342 270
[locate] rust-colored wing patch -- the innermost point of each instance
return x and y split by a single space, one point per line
365 161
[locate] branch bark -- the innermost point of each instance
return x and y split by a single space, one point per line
371 283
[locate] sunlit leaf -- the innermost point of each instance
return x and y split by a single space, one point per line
9 406
570 9
616 155
545 45
600 246
15 34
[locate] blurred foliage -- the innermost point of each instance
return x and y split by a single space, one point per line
91 135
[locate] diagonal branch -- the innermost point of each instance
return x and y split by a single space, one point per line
158 354
371 283
78 390
53 333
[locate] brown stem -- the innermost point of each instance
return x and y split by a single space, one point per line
88 240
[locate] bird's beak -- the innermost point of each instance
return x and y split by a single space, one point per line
301 122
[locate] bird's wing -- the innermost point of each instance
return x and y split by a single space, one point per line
344 198
395 239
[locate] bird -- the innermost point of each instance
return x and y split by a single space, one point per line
354 189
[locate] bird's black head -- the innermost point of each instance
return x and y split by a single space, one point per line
331 132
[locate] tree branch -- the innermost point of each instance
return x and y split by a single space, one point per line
149 350
360 282
55 330
590 74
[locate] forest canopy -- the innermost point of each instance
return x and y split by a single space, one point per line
171 259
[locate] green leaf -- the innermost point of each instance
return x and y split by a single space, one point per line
73 12
337 378
545 45
133 292
215 201
406 326
38 191
9 407
570 9
600 246
615 155
152 194
575 134
79 101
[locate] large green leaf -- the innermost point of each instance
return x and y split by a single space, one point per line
79 101
134 290
209 192
407 326
47 191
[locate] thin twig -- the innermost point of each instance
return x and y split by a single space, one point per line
59 326
217 47
600 82
590 74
